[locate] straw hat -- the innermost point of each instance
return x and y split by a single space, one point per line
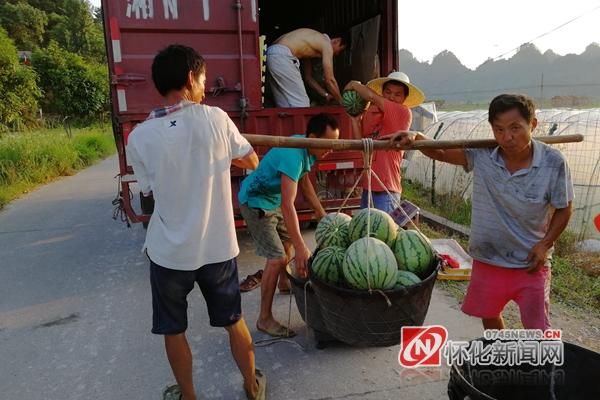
415 95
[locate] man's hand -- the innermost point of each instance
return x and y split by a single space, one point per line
352 85
302 254
537 256
402 138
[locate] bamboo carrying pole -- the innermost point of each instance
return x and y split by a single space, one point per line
345 144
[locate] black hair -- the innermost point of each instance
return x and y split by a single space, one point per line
345 38
506 102
393 82
318 124
172 65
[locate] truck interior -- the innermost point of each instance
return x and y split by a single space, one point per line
365 19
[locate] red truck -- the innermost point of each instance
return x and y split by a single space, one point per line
232 36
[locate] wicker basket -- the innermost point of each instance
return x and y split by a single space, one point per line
360 318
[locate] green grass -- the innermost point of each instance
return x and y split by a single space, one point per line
28 159
448 206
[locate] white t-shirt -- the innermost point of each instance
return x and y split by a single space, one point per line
184 158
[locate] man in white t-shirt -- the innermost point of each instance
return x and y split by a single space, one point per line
182 154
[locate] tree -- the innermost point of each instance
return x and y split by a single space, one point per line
78 30
18 88
24 23
72 87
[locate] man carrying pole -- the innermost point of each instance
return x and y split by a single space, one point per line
522 195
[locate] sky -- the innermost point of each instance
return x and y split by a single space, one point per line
475 30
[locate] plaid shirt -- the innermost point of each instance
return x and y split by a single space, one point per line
163 111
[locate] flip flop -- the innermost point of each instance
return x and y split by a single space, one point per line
172 392
280 332
261 380
251 282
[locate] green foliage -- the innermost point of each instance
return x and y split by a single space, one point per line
28 159
77 30
573 287
450 206
71 86
25 24
18 89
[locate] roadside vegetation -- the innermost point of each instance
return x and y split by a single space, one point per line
28 159
54 92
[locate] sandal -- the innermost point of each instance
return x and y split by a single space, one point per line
261 380
172 392
278 331
251 282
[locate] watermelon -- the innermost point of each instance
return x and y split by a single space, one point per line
332 230
405 278
369 263
413 252
353 103
383 226
327 264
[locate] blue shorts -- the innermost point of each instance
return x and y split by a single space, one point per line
219 285
381 200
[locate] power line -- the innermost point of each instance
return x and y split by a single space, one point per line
550 31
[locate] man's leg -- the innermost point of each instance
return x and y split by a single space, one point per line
180 359
266 321
169 318
284 282
243 353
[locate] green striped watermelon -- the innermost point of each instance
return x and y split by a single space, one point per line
369 263
327 264
383 226
413 252
405 278
332 230
353 103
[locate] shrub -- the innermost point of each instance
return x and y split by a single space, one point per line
19 91
71 86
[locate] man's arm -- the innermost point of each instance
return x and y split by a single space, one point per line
539 254
330 82
249 161
310 80
366 93
356 123
289 189
308 191
451 156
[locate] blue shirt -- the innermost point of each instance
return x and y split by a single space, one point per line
511 212
262 188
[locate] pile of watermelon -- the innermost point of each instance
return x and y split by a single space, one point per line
389 258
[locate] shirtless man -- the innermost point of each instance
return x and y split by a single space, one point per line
283 66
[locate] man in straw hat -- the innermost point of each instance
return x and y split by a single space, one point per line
522 202
391 99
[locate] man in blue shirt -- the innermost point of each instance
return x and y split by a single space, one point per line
267 204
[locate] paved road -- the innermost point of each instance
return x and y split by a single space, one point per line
75 316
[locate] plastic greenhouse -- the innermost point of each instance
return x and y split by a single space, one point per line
583 158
